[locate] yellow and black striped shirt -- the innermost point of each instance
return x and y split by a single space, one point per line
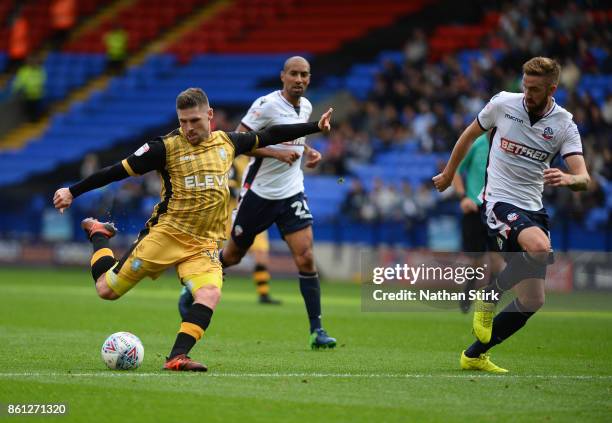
195 189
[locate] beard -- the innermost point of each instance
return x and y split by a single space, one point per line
538 108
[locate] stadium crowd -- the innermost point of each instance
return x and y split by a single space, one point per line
429 103
426 104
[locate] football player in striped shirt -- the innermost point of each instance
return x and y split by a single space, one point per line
190 219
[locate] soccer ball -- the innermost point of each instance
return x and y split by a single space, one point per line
122 351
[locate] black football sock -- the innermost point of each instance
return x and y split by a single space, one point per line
505 324
192 329
102 259
99 241
311 292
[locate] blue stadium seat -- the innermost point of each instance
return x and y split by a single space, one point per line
132 103
3 60
66 71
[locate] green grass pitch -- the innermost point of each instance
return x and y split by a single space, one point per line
387 367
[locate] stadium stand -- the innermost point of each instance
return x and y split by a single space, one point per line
143 20
38 16
68 71
268 26
3 61
407 114
134 102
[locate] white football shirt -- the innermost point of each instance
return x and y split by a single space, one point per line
521 151
270 178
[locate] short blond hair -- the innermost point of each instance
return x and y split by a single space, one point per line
543 66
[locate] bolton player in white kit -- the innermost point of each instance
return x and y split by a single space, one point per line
528 130
273 190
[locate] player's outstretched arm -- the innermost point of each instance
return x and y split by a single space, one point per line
275 134
279 133
151 156
63 197
443 180
577 179
285 156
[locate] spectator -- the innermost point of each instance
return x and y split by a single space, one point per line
361 149
90 165
29 83
410 210
570 74
606 111
63 18
334 158
19 42
116 41
416 48
424 106
425 199
354 202
128 198
385 199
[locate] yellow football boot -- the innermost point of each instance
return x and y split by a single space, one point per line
483 363
482 325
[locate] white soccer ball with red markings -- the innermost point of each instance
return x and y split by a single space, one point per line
122 351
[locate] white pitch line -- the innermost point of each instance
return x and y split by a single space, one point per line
111 374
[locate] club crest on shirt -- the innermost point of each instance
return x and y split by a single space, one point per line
142 150
512 217
222 154
548 133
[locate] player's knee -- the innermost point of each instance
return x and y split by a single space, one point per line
538 246
209 295
305 260
533 303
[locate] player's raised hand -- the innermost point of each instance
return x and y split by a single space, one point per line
313 158
324 122
442 181
62 199
286 156
555 178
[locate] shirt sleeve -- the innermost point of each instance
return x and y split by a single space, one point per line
244 142
487 116
572 143
259 115
150 156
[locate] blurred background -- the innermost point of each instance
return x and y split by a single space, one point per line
84 83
